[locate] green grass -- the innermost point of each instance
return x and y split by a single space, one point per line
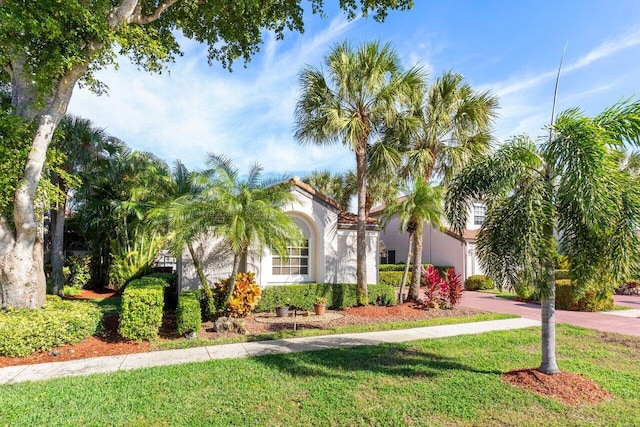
450 381
276 335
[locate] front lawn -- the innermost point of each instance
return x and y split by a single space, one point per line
451 381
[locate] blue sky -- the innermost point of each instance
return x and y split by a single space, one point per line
511 48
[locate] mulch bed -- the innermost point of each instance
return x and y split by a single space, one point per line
571 388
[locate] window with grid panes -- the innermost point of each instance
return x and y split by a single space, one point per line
478 214
297 261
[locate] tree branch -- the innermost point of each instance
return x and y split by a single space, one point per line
138 18
122 13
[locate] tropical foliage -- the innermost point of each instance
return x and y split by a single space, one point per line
361 95
568 193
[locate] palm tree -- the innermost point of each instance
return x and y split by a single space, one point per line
80 144
364 93
331 185
248 213
421 203
454 128
569 193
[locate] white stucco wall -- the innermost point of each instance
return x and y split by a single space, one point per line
331 251
438 248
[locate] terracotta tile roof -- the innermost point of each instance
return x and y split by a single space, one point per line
466 234
346 219
309 189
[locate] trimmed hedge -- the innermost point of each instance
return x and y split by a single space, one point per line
142 303
392 278
567 298
400 267
171 291
59 322
339 296
478 282
189 318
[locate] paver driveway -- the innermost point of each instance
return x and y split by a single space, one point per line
618 321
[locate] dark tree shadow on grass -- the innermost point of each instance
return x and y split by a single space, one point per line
386 359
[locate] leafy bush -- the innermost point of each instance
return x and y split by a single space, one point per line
562 262
339 296
142 303
630 288
526 292
568 297
77 271
392 278
189 318
478 282
171 291
400 267
59 322
562 274
442 291
70 291
245 297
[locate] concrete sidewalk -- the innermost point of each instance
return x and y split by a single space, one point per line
45 371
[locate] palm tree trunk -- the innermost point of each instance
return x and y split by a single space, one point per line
203 280
414 288
232 280
548 316
57 248
361 242
405 273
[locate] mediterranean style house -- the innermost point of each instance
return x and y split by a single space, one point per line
328 254
440 247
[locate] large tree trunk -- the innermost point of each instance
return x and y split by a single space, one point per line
416 272
57 248
361 241
22 279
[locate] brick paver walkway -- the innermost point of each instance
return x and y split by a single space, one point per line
600 321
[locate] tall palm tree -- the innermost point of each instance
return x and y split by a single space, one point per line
81 144
454 128
421 203
363 93
569 192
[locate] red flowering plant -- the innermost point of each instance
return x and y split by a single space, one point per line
441 292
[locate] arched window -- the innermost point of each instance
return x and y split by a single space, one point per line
298 260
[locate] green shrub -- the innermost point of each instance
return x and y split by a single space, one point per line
392 278
400 267
189 318
59 322
71 291
142 303
562 274
245 297
478 282
338 296
568 297
77 271
171 291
